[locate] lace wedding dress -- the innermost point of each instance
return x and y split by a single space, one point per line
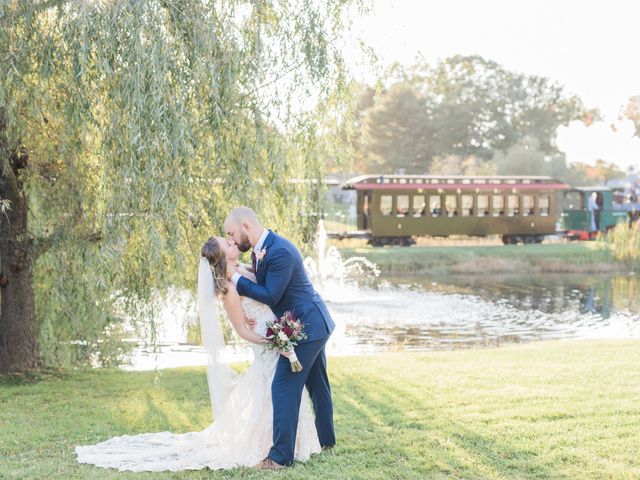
241 434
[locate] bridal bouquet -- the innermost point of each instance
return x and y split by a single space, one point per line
283 335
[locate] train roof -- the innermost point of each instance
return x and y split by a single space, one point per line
595 188
414 182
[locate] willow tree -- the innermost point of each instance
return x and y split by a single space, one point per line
127 130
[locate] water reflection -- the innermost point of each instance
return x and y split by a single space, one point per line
414 313
431 313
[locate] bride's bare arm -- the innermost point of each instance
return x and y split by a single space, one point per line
233 306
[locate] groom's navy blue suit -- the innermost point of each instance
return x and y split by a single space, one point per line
282 283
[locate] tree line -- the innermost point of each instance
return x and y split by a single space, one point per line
463 115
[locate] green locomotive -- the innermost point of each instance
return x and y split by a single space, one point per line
580 222
391 209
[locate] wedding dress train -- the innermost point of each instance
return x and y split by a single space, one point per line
241 434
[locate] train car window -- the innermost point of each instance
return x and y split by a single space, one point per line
482 205
527 205
386 204
365 204
543 205
419 206
402 205
513 205
599 200
466 202
619 198
497 205
573 201
435 205
451 205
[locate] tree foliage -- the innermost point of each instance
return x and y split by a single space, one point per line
399 132
632 112
144 123
462 106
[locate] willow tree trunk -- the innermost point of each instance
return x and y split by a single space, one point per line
18 329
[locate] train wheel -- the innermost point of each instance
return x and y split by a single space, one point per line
512 239
376 242
408 241
528 239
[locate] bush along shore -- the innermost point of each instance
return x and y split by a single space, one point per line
565 410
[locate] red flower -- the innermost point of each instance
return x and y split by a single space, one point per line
288 331
270 332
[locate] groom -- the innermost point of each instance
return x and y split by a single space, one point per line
282 284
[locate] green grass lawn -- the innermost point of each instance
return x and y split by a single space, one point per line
586 257
543 410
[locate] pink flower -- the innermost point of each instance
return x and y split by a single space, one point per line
260 255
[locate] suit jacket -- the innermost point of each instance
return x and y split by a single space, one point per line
283 284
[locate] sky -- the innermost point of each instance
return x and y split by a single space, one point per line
591 47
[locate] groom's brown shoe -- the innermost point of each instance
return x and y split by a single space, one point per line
268 464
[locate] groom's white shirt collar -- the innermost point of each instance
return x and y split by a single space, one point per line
260 242
256 249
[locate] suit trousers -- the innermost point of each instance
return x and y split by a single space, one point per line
286 394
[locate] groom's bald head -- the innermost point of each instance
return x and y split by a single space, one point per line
241 215
243 227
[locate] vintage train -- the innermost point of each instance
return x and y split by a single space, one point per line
393 209
577 220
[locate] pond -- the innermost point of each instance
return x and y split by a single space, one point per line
436 313
418 313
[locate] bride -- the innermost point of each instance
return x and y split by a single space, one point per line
241 433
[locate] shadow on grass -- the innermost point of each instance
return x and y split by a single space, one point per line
177 402
388 424
30 377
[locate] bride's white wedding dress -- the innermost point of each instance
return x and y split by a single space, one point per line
241 434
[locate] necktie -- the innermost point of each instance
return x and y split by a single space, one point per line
253 261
